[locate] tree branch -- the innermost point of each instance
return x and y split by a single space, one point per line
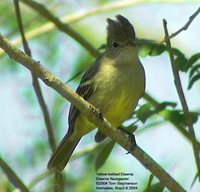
185 27
61 26
91 113
182 98
38 91
35 81
12 176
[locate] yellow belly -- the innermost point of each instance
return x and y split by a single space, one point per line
116 96
116 111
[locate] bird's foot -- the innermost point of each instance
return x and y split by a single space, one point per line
131 136
97 112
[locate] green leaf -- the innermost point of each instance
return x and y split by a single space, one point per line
104 154
157 50
175 116
178 118
145 41
181 60
144 50
144 112
181 63
193 59
157 187
194 116
194 69
177 52
193 80
102 47
165 104
147 110
150 47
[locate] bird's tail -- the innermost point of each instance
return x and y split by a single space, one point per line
62 154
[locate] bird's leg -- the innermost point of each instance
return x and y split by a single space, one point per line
100 114
131 136
97 111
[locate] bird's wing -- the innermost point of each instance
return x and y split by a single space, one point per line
85 90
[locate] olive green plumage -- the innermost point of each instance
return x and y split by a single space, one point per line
113 84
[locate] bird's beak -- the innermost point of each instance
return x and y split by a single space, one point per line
130 44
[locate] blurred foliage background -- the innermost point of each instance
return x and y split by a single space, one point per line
23 139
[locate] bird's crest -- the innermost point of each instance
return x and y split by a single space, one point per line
120 29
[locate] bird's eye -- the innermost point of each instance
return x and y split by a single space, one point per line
115 44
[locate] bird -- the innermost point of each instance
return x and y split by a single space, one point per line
114 83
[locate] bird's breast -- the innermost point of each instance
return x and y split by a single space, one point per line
118 91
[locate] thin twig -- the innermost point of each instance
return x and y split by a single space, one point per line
150 99
194 180
61 26
91 113
39 178
182 98
35 81
185 27
38 91
12 176
149 183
